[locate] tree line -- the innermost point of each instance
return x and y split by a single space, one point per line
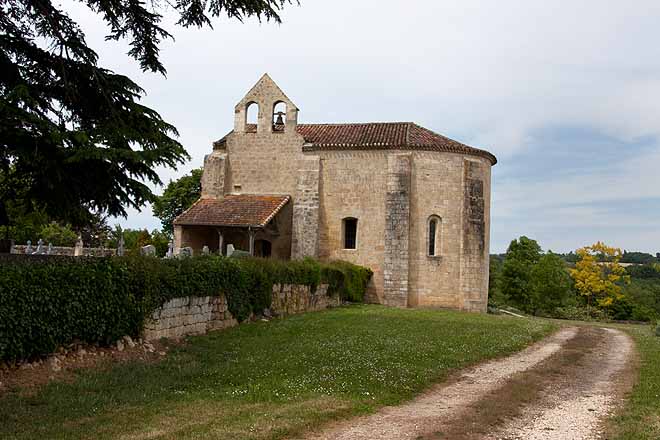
590 283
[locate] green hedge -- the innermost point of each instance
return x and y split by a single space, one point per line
48 302
347 280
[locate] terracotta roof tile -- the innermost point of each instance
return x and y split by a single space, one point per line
327 136
376 136
233 210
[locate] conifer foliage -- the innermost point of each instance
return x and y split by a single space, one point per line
74 138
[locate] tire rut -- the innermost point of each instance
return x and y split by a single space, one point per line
577 403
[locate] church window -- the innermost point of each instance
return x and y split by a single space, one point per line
350 233
434 232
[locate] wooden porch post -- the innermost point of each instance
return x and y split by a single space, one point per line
251 233
221 240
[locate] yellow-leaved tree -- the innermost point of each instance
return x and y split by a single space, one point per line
598 274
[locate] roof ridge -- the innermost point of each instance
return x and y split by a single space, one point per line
357 123
379 135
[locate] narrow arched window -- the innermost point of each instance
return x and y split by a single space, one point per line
434 231
251 116
279 116
349 226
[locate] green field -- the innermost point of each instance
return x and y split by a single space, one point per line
265 380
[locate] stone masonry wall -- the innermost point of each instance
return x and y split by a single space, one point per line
392 194
213 177
397 230
199 315
475 250
305 239
353 184
263 162
437 190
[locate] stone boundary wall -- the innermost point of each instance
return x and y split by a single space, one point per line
67 251
199 315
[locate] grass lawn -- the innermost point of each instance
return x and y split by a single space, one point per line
266 380
640 419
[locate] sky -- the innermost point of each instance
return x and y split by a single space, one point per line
566 94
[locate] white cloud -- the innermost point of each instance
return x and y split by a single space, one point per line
631 179
488 73
617 203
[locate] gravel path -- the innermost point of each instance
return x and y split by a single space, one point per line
574 409
573 382
428 412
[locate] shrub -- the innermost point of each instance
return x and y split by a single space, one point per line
347 280
621 309
47 302
580 313
645 294
643 313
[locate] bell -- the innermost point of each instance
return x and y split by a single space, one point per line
279 120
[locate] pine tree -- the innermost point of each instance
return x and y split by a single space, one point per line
74 139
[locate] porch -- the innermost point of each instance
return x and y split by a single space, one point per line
257 224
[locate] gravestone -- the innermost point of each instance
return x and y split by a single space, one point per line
40 247
230 249
170 250
148 250
120 246
78 250
205 250
240 254
186 252
28 248
50 249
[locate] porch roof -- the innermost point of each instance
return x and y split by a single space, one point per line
238 210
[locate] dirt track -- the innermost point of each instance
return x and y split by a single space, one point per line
560 388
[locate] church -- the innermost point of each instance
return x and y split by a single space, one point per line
410 204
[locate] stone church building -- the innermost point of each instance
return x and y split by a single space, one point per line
410 204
